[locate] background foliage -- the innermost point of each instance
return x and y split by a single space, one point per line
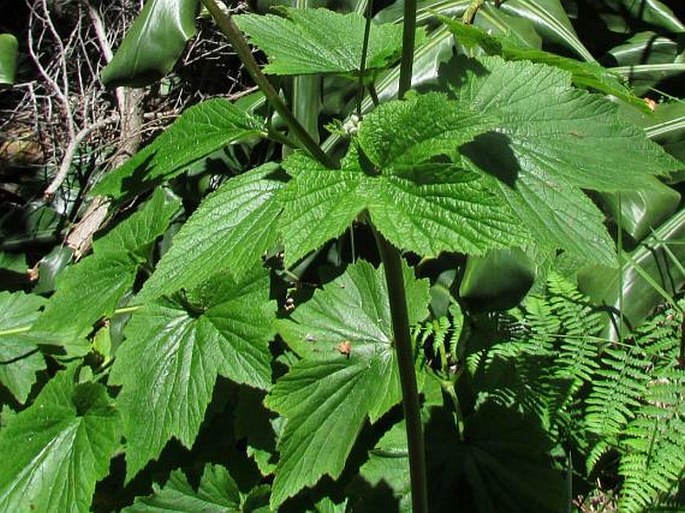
226 342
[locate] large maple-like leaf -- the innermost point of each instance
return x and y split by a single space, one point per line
320 41
348 374
216 493
201 130
551 141
174 350
232 229
55 451
94 286
404 169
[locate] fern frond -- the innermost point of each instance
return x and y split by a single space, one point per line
581 323
654 459
617 392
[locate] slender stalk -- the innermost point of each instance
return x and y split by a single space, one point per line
14 331
374 95
234 36
408 39
398 307
621 269
471 11
392 262
365 48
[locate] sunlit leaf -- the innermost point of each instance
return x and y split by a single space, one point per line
232 229
57 449
320 41
94 286
348 373
216 493
404 173
198 132
174 350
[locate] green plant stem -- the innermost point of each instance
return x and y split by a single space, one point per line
408 39
24 329
471 11
392 263
14 331
362 65
374 95
235 37
398 306
280 138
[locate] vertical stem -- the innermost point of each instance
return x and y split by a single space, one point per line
408 39
365 48
398 307
232 33
621 268
392 262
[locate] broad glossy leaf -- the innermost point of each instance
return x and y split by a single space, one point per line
348 373
553 139
20 358
174 350
153 44
199 131
320 41
583 74
216 493
642 211
668 129
233 227
624 15
551 21
498 280
645 76
8 58
660 258
547 16
404 175
57 449
645 48
94 286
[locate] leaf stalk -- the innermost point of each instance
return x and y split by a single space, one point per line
239 44
394 278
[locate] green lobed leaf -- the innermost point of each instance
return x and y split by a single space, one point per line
8 58
216 493
583 74
174 350
553 139
57 449
20 358
404 169
94 286
199 131
233 227
388 463
348 373
313 41
153 44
